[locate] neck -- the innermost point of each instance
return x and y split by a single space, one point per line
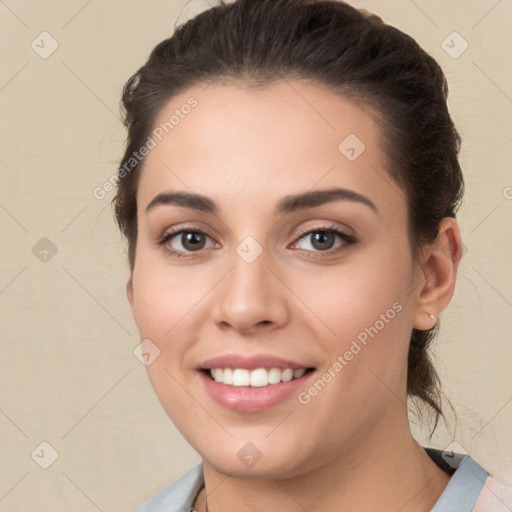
390 473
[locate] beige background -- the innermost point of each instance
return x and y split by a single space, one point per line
68 373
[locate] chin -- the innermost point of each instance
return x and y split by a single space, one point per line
249 460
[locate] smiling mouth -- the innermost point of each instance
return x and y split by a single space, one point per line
259 377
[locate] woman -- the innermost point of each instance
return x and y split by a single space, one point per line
288 194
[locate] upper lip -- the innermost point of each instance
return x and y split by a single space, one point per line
250 362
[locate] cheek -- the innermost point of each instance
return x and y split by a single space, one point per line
353 296
164 297
368 310
164 304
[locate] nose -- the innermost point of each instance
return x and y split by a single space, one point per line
251 298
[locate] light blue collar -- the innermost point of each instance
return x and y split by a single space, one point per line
460 495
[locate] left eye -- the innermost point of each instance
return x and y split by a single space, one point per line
322 240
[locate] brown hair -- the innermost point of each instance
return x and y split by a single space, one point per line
353 53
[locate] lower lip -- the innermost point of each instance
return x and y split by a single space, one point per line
252 399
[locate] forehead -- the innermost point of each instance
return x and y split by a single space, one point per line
252 144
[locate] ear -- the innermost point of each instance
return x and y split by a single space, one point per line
129 291
438 271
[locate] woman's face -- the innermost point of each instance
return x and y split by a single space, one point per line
295 257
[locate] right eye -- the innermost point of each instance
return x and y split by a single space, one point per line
186 241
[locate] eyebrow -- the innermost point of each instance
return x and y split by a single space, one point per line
287 204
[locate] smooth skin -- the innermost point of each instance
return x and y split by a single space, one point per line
350 448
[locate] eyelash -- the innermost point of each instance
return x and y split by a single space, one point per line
347 239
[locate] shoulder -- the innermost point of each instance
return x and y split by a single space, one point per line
179 496
496 496
466 482
471 488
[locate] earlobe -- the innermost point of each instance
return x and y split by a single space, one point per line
439 271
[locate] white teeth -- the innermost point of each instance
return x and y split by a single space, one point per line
260 377
287 375
241 377
274 376
227 376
